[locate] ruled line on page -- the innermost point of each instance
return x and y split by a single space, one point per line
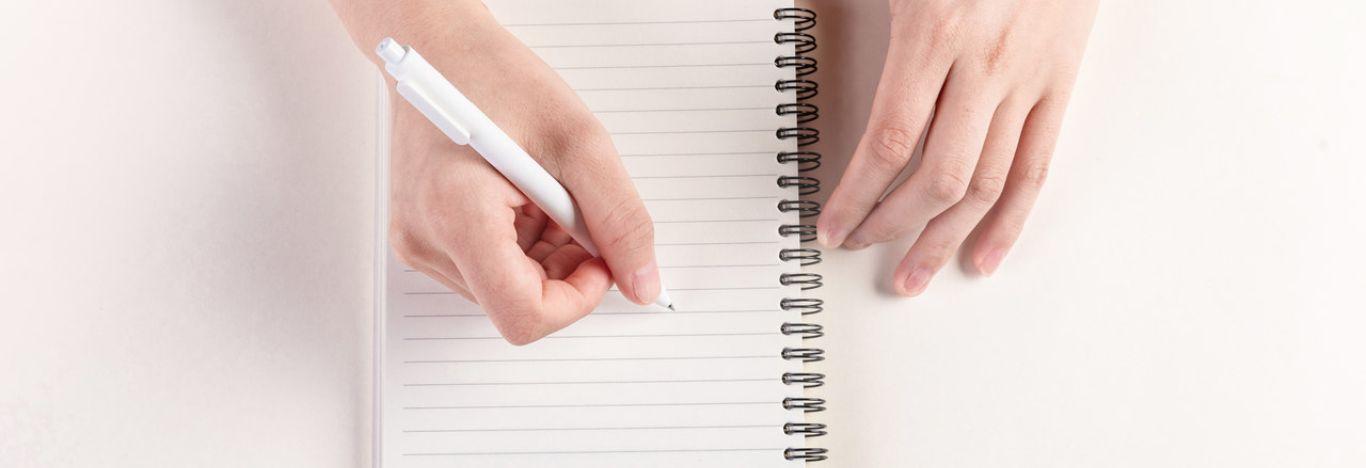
683 109
715 176
684 87
646 44
573 337
690 132
595 452
738 265
589 382
593 405
596 428
715 243
662 155
692 312
735 288
759 197
620 23
648 67
596 359
737 220
621 312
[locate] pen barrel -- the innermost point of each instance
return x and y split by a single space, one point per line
532 180
447 108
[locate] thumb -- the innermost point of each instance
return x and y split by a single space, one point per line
616 217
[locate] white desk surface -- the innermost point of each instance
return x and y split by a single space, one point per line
185 267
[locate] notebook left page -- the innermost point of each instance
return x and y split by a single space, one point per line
687 91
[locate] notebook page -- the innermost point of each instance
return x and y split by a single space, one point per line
686 90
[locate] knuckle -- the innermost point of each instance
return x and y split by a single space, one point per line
986 189
558 269
940 250
999 51
1012 226
944 27
1007 228
891 147
518 327
879 232
935 253
520 336
1035 174
580 140
939 25
946 187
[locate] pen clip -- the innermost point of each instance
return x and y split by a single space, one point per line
435 113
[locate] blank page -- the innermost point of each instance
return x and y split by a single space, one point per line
687 91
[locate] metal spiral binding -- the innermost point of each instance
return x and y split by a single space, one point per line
804 112
806 160
805 256
805 454
804 208
805 185
807 281
808 305
804 89
807 405
805 330
805 232
804 354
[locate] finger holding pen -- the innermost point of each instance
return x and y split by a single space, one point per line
457 219
613 209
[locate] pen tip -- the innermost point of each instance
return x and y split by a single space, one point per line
671 308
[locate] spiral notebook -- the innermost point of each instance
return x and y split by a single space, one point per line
705 101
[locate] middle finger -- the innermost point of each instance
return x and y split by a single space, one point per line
962 117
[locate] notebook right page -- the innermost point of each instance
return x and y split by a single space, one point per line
687 90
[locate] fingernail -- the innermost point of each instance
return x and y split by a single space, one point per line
916 281
992 260
830 237
645 283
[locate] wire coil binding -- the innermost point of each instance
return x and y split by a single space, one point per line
803 89
806 405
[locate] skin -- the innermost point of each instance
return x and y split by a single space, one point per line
983 84
456 219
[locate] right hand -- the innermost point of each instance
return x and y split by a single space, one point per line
456 219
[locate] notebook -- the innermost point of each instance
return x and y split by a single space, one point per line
705 101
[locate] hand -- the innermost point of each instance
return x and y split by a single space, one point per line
456 219
996 75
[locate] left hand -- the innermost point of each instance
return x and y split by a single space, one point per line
997 76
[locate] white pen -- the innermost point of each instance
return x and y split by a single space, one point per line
424 87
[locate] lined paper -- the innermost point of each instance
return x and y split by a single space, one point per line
687 91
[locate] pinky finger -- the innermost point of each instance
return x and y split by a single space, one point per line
1005 222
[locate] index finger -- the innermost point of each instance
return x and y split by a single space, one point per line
911 80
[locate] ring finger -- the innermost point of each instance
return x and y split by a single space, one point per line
945 233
